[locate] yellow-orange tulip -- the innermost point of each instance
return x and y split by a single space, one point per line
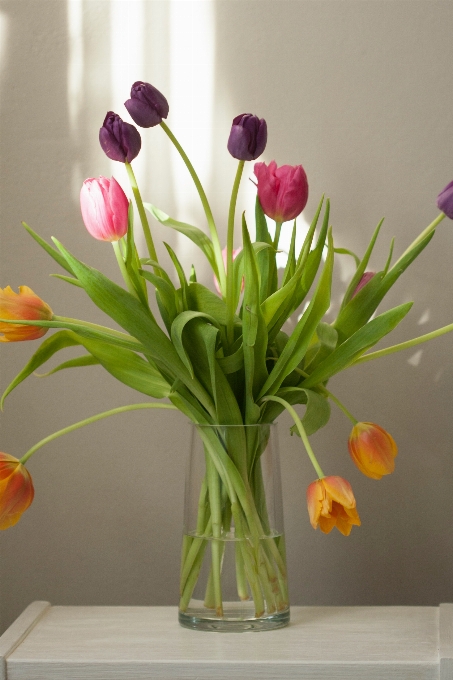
16 490
22 305
372 449
331 503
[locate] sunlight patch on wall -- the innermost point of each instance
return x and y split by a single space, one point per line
3 41
127 66
192 43
75 82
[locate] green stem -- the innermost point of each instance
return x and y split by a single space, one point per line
88 421
141 212
278 227
403 345
205 203
341 406
431 227
122 266
230 245
301 430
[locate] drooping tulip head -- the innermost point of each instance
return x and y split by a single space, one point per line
367 276
120 141
248 137
445 200
282 191
104 207
331 503
16 490
372 449
147 106
22 305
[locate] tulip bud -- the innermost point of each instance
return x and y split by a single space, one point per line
147 106
22 305
282 192
331 503
445 200
16 490
367 276
120 141
248 137
372 449
104 207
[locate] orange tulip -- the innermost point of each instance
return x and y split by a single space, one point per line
22 305
331 503
16 490
372 449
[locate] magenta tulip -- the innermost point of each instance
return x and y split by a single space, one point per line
282 192
104 208
445 200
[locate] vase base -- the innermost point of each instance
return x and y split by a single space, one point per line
232 621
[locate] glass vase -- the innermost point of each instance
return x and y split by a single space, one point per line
233 566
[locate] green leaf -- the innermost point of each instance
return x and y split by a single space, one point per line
291 263
361 267
201 299
300 338
131 315
166 292
316 415
345 251
68 279
232 363
254 331
362 340
177 329
48 248
78 362
45 351
194 233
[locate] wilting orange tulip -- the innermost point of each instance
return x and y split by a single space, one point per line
331 503
372 449
16 490
22 305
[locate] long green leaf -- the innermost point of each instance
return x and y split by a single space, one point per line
361 267
362 340
194 233
48 248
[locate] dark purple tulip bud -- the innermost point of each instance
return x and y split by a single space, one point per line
445 200
248 137
147 106
120 141
363 281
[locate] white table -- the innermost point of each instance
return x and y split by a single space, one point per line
127 643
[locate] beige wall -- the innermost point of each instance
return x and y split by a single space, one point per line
360 93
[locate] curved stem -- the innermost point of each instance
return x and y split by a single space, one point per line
403 345
122 266
341 406
205 203
141 212
88 421
301 430
230 245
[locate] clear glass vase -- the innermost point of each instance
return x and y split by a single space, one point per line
233 566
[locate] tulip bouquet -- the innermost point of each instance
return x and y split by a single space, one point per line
221 358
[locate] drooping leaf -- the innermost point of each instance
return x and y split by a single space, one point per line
194 233
48 248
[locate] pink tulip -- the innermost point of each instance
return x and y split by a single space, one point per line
282 192
104 208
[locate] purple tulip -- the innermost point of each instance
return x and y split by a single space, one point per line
367 276
147 106
248 137
445 200
120 141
